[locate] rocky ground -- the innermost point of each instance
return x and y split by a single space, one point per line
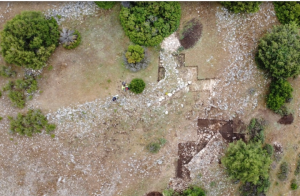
99 146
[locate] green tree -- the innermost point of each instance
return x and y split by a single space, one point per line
148 23
247 162
105 4
32 122
279 52
193 191
29 39
241 6
280 91
137 85
287 11
134 54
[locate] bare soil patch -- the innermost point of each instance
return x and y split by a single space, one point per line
287 119
154 194
192 32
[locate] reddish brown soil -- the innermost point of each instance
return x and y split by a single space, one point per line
186 152
192 34
154 194
287 119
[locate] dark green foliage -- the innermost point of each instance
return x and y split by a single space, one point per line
249 189
70 39
105 4
256 130
153 147
280 91
32 122
294 185
193 191
7 72
0 94
283 171
17 98
287 11
1 118
279 52
297 170
241 6
148 23
269 148
18 88
29 39
247 162
135 54
137 85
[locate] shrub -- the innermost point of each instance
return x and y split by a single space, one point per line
105 4
134 54
283 171
256 130
280 91
241 6
18 88
250 189
297 170
279 52
153 147
7 72
32 122
137 85
283 111
193 191
148 23
287 11
294 185
246 162
29 39
69 38
269 148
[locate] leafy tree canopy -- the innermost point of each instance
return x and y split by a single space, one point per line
137 85
241 6
279 51
29 39
32 122
134 54
148 23
280 91
247 162
105 4
287 11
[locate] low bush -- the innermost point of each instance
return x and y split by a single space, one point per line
148 23
280 92
256 130
283 171
287 11
7 72
241 6
18 88
250 189
193 191
137 85
270 149
153 147
105 4
135 54
32 122
294 184
29 39
297 170
283 111
70 39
